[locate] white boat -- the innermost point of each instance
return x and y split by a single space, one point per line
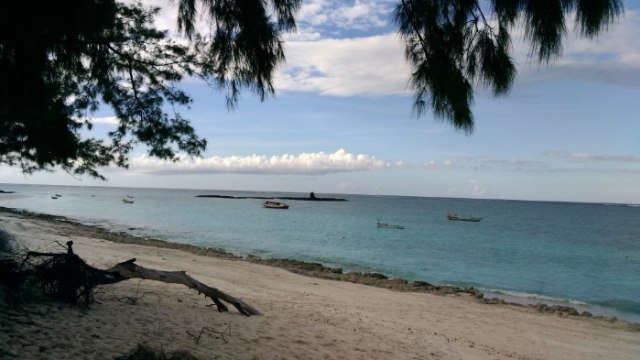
127 201
275 205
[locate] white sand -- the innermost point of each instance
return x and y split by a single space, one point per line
304 318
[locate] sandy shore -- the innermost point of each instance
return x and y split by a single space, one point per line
304 317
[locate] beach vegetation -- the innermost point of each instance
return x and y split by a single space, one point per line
60 62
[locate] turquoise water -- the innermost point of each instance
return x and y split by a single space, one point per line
582 254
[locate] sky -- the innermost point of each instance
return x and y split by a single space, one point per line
342 122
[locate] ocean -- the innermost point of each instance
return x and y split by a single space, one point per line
578 254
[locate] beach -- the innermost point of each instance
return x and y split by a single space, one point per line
303 317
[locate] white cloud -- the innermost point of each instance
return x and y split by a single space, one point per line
358 14
341 161
612 57
106 120
372 65
375 65
103 120
432 164
582 156
319 163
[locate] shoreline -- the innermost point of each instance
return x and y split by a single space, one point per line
303 317
320 271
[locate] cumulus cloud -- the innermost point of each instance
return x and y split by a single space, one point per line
104 120
375 65
326 56
613 57
371 65
302 164
358 14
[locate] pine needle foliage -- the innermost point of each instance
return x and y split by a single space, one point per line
61 61
454 45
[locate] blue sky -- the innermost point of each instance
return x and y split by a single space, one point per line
342 122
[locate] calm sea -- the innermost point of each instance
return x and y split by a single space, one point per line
584 255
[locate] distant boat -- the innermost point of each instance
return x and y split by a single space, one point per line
54 197
127 201
275 205
454 216
384 225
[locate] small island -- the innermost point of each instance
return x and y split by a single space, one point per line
311 197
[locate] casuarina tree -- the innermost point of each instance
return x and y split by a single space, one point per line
60 61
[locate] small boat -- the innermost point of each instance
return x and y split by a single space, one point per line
54 197
275 205
454 216
383 225
127 201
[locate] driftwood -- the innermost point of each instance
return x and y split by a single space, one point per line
69 278
130 270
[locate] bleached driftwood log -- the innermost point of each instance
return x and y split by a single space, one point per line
130 270
69 278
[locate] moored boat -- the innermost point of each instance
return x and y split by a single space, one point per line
454 216
384 225
275 205
127 201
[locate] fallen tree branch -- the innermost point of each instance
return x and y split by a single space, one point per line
130 270
68 277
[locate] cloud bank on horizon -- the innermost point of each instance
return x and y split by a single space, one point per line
302 164
342 161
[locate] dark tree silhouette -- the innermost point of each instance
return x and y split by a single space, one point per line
62 60
453 45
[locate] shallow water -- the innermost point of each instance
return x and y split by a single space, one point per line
580 254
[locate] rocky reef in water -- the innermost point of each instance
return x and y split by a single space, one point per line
311 197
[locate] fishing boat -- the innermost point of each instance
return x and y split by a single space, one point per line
454 216
384 225
127 201
275 205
